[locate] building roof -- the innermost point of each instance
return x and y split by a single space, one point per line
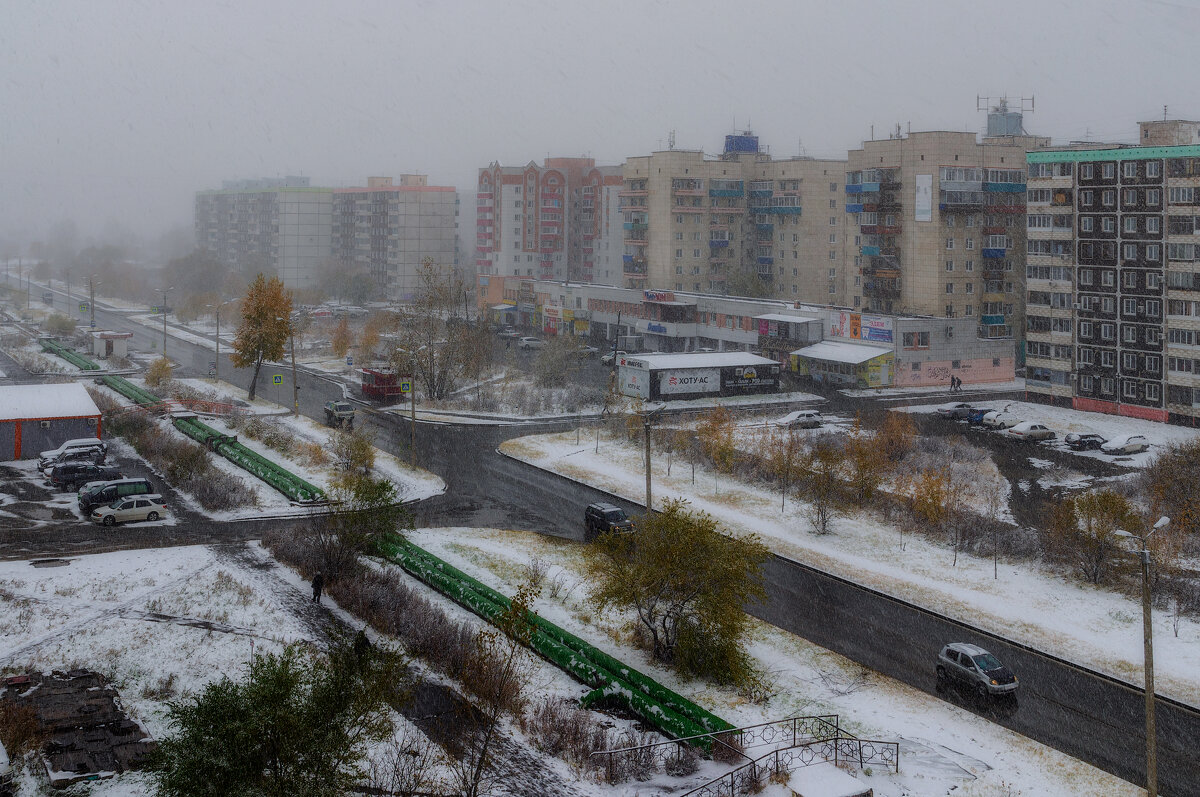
716 359
794 319
841 352
39 402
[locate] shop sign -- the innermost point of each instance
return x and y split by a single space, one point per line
691 380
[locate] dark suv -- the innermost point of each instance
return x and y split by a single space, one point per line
107 492
71 475
601 517
973 667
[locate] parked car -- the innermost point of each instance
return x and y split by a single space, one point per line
1126 444
108 492
130 510
1031 431
975 416
508 332
96 451
612 357
601 517
800 419
530 343
587 351
1084 441
69 475
999 419
80 442
973 667
956 411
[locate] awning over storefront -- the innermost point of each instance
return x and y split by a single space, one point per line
841 352
503 307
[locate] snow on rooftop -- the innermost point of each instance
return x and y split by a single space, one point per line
69 400
842 352
715 359
794 319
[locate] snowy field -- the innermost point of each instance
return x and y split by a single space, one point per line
159 622
1092 626
1065 421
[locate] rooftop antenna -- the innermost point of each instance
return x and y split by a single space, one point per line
1164 113
1026 105
671 140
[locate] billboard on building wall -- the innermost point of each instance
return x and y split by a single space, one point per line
857 326
923 204
839 324
692 380
877 328
635 382
750 376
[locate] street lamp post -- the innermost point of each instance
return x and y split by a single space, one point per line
217 360
646 417
92 299
164 315
1148 642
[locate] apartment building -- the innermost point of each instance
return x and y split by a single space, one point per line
743 223
557 221
391 227
280 226
939 225
1113 275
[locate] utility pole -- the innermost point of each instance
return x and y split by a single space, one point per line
164 315
295 389
412 422
92 299
649 505
217 361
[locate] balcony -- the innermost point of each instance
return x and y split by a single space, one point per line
761 193
871 251
993 254
991 320
693 192
995 230
1005 188
768 228
764 260
718 244
633 192
886 229
725 192
485 222
868 229
994 274
854 208
881 289
890 185
854 188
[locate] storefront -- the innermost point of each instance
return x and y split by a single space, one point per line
667 377
836 362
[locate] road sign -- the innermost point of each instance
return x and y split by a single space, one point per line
83 307
212 365
212 371
405 385
349 361
277 379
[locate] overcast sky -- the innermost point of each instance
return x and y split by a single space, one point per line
114 113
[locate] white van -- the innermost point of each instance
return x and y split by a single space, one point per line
81 442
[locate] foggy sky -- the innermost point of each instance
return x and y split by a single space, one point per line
115 113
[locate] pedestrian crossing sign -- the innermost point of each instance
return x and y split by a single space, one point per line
405 385
277 379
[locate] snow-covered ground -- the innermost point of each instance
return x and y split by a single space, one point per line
944 749
158 622
898 392
1064 421
1098 628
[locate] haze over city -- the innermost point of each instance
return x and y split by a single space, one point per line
114 114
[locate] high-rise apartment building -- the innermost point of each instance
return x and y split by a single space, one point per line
392 228
558 221
939 224
286 227
742 224
1113 275
280 226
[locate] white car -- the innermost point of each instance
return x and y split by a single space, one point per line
1031 431
530 343
1126 444
130 510
800 419
999 419
611 357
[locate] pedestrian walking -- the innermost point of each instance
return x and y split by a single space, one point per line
318 583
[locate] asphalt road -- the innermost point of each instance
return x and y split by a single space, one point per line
1080 712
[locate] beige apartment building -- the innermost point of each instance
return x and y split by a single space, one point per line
939 225
743 223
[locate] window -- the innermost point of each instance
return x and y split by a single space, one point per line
833 237
970 266
970 243
1110 170
1085 171
1129 306
832 255
1037 221
1108 224
678 253
916 340
1153 197
1108 358
1085 356
1107 331
1129 334
1087 198
949 243
1152 393
1129 251
1131 224
1153 168
969 309
1085 329
1085 276
1106 385
949 287
1085 383
970 287
1181 196
1129 169
1108 198
678 236
949 265
1107 278
833 221
1153 224
1153 253
1128 388
949 221
949 311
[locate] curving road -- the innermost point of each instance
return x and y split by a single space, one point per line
1083 713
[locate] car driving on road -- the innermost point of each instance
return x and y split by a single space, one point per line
601 517
973 667
800 419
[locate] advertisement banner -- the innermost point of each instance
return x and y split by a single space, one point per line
839 324
751 376
923 204
659 296
693 380
635 383
855 326
877 328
